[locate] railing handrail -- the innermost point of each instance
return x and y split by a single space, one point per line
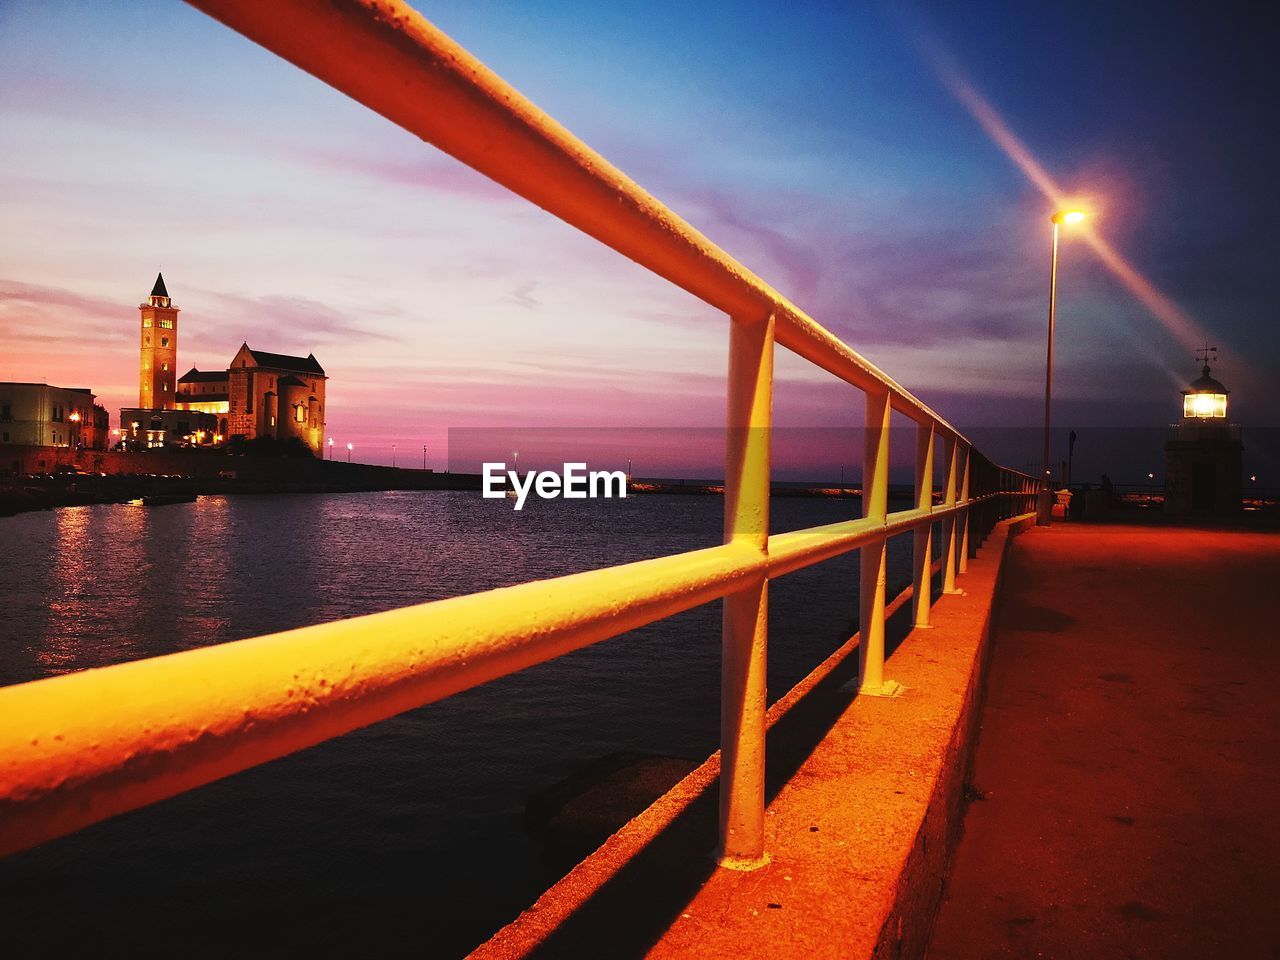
80 748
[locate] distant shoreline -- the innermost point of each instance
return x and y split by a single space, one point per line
25 494
42 478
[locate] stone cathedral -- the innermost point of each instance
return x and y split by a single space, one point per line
260 394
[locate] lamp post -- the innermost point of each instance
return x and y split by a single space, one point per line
75 429
349 446
393 455
424 456
1044 502
1151 483
331 448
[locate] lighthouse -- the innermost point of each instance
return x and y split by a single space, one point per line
1203 455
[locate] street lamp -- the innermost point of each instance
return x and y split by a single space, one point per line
331 448
349 447
393 455
1044 504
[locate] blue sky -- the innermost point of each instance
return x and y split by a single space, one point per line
815 142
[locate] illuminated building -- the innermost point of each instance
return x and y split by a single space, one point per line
144 428
206 391
157 365
45 416
1203 457
259 395
276 395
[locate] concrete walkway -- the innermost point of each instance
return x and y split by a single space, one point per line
1125 793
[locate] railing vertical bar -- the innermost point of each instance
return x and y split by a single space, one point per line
872 557
745 625
962 561
922 548
952 450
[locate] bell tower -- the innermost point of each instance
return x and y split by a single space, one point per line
158 367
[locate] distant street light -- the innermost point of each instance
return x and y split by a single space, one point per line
331 448
393 455
424 456
350 446
1044 504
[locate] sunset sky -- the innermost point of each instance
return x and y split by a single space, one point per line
832 148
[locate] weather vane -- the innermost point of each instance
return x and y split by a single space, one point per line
1207 353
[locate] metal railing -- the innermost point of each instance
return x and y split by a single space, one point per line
80 748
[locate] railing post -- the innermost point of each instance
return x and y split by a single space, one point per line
949 526
962 563
875 505
745 625
922 547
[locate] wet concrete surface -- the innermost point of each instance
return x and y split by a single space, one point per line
1125 796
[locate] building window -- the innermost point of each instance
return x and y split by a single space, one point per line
164 366
164 341
300 413
146 322
273 421
166 323
6 437
146 341
164 387
6 412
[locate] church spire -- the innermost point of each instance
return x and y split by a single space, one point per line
158 290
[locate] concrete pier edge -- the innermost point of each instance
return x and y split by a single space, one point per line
860 831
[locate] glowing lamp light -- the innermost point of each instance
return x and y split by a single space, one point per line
75 418
351 446
1205 405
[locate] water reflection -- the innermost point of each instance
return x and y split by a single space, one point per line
64 626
